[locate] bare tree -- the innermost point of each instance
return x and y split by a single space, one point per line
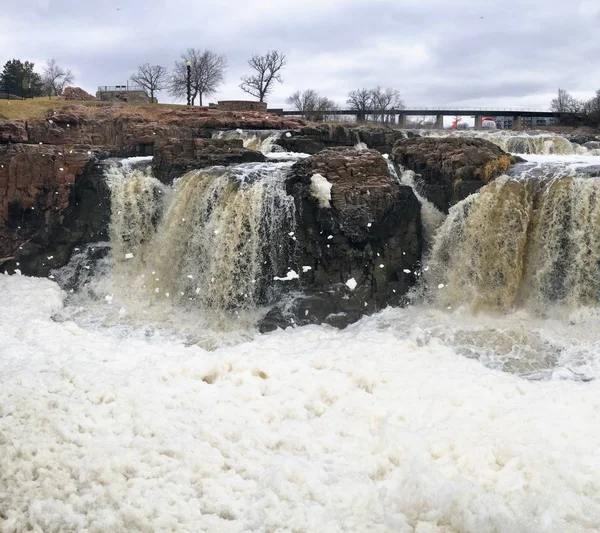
361 100
153 78
267 70
207 72
565 103
386 100
311 104
55 78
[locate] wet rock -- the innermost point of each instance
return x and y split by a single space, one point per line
313 139
50 200
174 157
582 139
450 168
358 239
592 145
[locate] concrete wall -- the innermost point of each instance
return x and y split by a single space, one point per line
139 97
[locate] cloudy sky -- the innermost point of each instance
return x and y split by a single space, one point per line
437 52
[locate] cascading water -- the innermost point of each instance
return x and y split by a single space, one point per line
222 239
262 140
522 143
431 217
521 243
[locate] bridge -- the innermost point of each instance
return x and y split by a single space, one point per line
439 113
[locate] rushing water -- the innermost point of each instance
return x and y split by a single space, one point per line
263 140
211 247
114 416
541 143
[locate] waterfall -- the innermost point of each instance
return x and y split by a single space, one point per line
538 144
522 143
431 217
262 140
137 204
217 238
520 243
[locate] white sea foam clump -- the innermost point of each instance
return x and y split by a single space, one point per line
320 189
312 429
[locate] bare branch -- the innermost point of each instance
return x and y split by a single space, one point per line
55 78
153 78
360 100
310 104
207 72
267 70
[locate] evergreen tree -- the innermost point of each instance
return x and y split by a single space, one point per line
19 79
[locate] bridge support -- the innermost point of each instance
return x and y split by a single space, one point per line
478 122
439 122
517 123
360 117
402 121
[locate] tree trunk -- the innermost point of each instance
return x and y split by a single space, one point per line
200 99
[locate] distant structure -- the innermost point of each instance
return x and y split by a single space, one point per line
239 105
123 93
506 123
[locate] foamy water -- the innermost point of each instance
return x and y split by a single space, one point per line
381 427
122 414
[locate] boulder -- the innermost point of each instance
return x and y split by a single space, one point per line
451 168
313 139
174 157
50 200
358 239
76 93
13 132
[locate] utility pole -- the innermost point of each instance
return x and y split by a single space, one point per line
189 82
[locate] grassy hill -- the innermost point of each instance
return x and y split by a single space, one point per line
39 107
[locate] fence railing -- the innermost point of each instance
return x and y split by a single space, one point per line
128 87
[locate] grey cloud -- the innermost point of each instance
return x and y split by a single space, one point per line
511 52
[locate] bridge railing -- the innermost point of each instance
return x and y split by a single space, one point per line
479 109
433 110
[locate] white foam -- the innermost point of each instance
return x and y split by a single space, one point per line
394 432
320 189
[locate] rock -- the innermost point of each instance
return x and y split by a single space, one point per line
50 199
126 130
174 157
369 230
313 139
76 93
592 145
582 139
13 132
450 168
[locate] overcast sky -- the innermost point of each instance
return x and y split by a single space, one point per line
437 52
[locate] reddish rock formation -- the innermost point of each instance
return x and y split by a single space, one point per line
35 188
369 231
76 93
451 168
132 130
50 197
13 132
174 157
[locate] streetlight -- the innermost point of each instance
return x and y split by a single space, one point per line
189 82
